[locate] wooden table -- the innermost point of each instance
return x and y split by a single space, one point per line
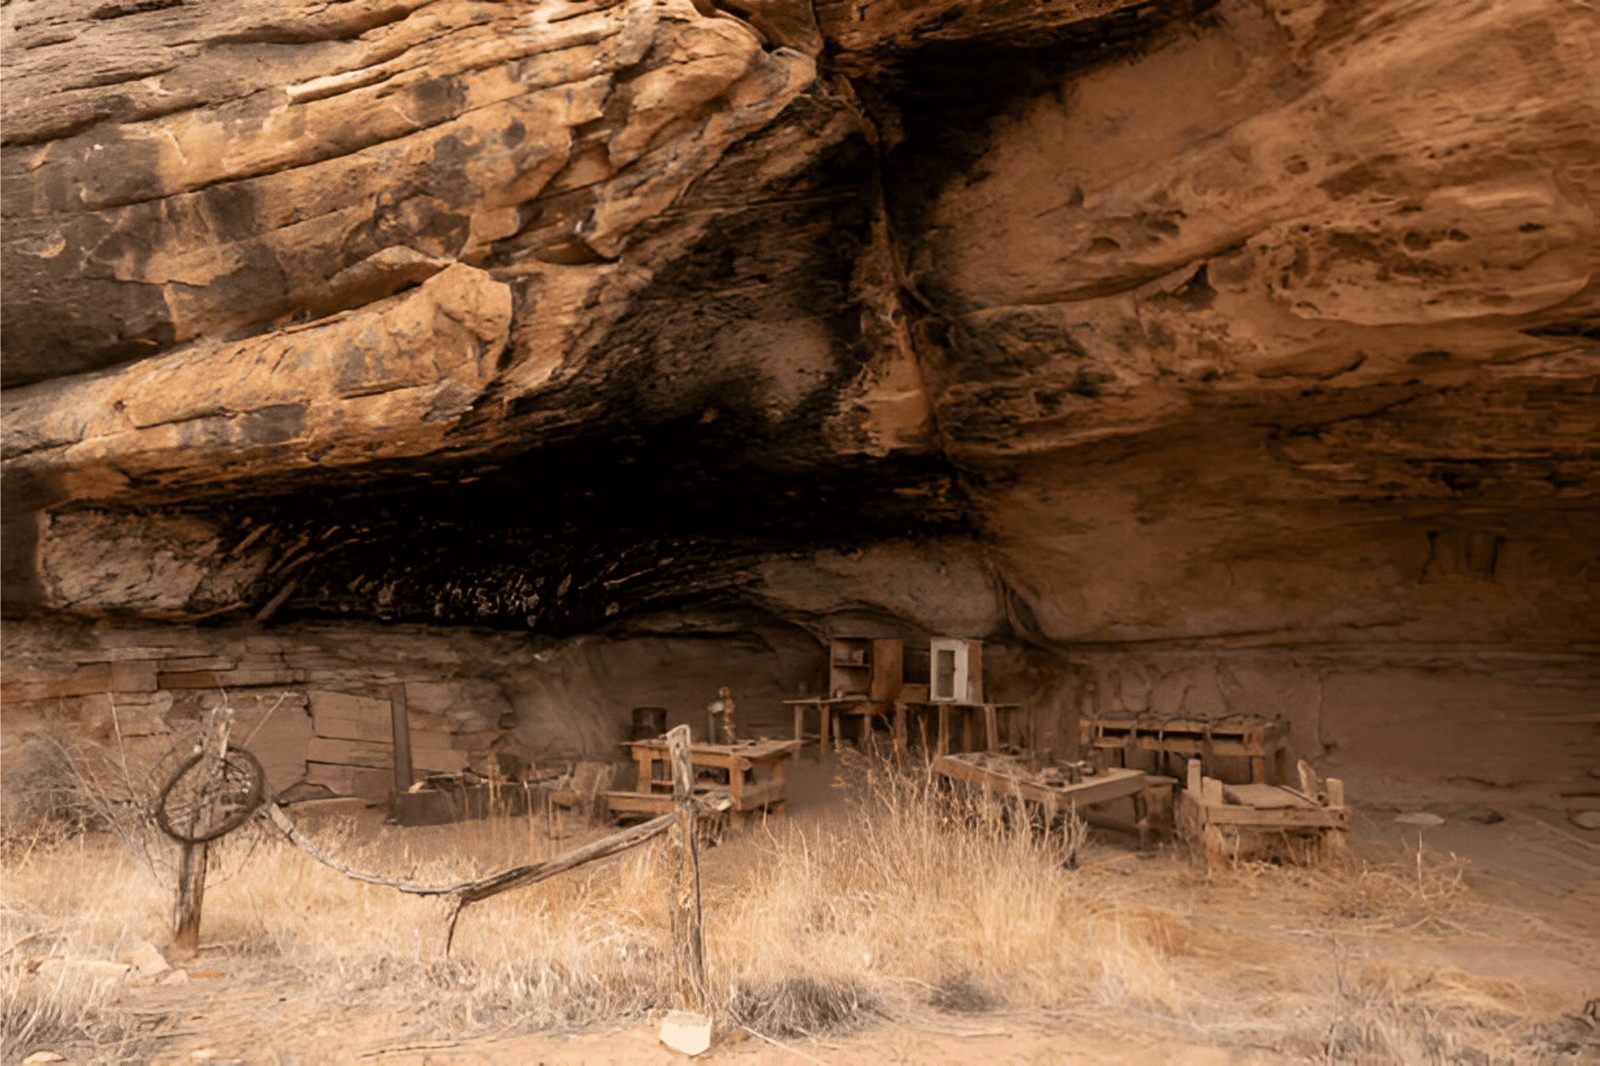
858 706
1152 795
947 715
761 760
1249 736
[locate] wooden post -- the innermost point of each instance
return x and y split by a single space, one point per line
1335 842
687 939
400 720
192 857
1308 780
191 896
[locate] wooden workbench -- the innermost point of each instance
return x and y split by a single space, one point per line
1248 736
1152 795
761 761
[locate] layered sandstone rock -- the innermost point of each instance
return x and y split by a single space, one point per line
1093 329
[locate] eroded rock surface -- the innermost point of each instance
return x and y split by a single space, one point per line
1080 327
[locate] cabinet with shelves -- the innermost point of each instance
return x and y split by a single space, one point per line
866 667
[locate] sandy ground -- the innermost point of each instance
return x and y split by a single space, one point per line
1532 919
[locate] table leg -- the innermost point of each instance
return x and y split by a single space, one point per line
800 722
991 726
1258 769
944 729
1281 761
966 729
827 733
1141 818
899 728
736 772
647 763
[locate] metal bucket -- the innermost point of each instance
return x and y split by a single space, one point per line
648 723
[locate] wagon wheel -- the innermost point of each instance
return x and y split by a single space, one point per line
202 800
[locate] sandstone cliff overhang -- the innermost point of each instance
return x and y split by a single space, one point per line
1182 321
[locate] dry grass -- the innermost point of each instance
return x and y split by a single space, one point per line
66 904
907 900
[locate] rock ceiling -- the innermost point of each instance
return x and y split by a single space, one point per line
1088 321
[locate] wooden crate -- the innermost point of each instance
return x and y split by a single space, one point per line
1226 823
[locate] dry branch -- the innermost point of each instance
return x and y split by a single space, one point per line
468 892
473 891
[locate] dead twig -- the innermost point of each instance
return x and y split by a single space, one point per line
785 1047
264 718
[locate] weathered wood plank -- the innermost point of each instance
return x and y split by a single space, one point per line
1264 797
1290 817
226 679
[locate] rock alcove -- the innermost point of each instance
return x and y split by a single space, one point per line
553 358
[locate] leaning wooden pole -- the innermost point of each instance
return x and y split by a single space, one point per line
687 938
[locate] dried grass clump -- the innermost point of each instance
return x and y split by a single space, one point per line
925 895
1380 1013
1426 895
59 1008
52 994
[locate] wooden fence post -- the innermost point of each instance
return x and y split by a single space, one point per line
191 896
687 939
192 857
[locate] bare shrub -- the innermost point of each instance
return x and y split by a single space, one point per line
802 1006
44 797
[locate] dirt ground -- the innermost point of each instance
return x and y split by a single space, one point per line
1529 919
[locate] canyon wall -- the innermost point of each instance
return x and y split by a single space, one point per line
1213 357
